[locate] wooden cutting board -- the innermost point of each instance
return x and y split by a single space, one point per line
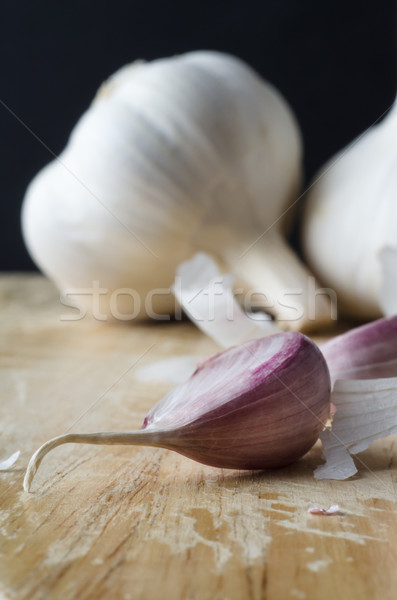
135 523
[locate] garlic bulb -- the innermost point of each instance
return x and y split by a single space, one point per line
350 223
189 153
255 406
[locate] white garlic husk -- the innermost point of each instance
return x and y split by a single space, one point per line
189 153
350 223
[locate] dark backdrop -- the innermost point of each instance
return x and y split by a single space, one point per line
334 62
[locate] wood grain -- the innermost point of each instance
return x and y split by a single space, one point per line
143 523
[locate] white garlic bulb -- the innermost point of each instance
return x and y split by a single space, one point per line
182 154
350 223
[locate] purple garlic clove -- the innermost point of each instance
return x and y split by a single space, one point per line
259 405
365 352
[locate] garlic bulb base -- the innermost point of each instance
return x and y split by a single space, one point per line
280 284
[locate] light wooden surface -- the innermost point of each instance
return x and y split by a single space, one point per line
134 523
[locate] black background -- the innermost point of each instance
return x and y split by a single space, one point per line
334 62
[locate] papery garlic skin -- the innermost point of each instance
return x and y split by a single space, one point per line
365 411
259 405
10 461
180 154
207 298
351 217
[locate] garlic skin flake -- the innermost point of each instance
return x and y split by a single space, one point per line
325 512
207 298
194 152
365 411
10 461
351 219
363 368
256 406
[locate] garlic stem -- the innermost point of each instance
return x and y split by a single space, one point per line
287 288
133 438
